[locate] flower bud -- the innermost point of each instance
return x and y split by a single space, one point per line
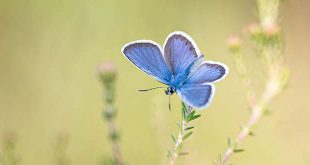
9 139
254 29
107 72
234 43
271 30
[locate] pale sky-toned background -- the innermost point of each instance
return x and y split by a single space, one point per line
49 51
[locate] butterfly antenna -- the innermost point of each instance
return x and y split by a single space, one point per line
144 90
169 104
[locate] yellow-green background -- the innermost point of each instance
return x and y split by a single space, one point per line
49 51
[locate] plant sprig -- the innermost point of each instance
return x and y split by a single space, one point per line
185 130
107 74
267 39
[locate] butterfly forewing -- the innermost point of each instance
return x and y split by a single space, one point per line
179 51
147 56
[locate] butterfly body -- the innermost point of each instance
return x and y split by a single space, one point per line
170 90
177 81
179 65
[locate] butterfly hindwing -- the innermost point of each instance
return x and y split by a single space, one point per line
147 56
208 72
197 95
180 52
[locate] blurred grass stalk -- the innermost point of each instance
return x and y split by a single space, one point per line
267 39
8 155
107 73
61 145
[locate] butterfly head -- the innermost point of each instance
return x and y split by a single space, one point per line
170 90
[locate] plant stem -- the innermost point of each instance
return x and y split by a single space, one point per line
256 113
179 143
9 155
272 88
268 41
188 114
61 146
107 74
245 79
113 135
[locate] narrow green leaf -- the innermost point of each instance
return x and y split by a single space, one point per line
189 128
267 112
238 150
183 153
169 154
195 117
187 135
190 116
179 148
251 133
183 111
218 161
173 138
229 141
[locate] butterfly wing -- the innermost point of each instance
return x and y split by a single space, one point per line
180 51
207 72
197 90
197 96
147 56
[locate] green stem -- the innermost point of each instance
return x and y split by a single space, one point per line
245 78
110 114
179 143
188 114
271 51
271 90
107 74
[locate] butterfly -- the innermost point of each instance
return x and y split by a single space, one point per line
179 65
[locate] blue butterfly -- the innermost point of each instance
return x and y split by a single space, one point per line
180 65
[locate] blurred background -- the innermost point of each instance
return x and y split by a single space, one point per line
49 88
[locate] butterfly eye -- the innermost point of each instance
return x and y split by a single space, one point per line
172 90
